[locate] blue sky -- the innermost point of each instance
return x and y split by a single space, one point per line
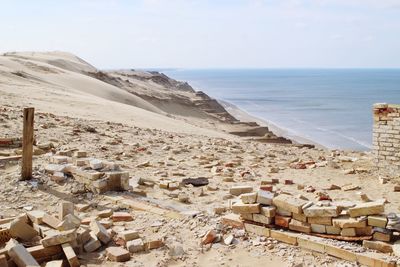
208 34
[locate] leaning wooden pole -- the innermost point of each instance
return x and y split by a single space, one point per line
27 144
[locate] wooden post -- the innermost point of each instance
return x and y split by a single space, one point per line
27 144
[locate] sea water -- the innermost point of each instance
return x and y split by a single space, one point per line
332 107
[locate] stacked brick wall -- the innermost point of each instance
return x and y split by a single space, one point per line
386 138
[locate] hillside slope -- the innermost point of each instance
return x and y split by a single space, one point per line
56 82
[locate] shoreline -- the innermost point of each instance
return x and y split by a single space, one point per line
244 116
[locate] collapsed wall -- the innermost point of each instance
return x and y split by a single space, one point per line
386 138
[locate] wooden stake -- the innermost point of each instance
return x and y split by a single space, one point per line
27 144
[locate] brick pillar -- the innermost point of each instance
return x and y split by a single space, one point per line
386 138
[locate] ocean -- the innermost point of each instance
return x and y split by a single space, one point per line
332 107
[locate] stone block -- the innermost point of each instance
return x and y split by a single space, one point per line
238 190
36 216
285 237
299 217
299 226
396 248
257 229
377 221
310 243
93 244
59 237
70 222
153 244
117 254
319 228
55 263
246 216
51 221
368 208
135 245
57 177
348 222
378 245
282 221
264 197
316 211
232 220
282 212
268 211
380 236
105 213
65 208
121 217
364 231
240 207
289 203
41 253
348 232
129 235
70 255
80 154
19 228
248 198
263 219
96 164
320 220
340 253
20 255
100 231
372 259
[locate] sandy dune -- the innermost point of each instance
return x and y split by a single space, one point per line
54 82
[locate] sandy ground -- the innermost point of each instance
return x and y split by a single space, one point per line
138 132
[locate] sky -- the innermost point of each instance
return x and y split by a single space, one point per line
208 34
